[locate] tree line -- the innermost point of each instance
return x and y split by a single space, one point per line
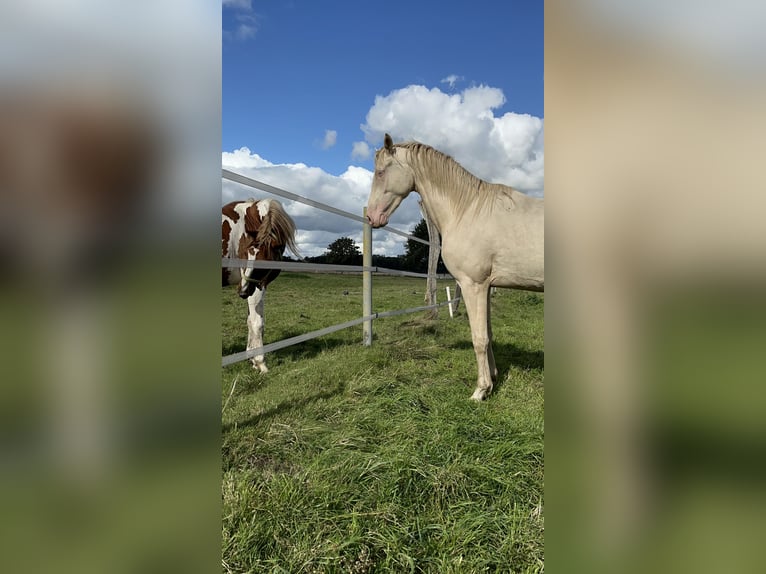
343 251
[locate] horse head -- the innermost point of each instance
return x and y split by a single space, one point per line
248 278
394 179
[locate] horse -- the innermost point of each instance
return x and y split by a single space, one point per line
256 230
492 234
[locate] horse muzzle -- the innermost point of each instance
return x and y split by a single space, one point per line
246 290
379 219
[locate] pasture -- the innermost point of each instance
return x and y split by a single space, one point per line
351 459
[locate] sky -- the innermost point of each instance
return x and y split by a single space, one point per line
310 88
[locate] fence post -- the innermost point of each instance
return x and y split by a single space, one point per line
453 302
366 280
434 250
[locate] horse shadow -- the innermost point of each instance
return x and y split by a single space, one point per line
294 353
308 349
509 356
304 350
286 406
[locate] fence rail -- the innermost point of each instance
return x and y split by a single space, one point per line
271 347
324 268
250 182
321 268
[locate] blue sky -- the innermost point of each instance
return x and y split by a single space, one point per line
301 78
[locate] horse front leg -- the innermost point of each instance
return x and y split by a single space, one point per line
490 353
255 328
476 299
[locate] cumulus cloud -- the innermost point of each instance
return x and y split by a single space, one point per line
317 229
504 148
330 137
242 158
360 150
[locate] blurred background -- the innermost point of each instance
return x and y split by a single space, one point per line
109 392
655 311
109 379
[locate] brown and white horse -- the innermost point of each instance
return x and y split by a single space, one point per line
492 234
256 230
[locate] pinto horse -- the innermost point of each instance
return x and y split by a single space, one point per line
492 234
256 230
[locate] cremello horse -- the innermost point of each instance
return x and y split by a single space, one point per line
256 230
492 234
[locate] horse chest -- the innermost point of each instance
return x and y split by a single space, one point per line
464 256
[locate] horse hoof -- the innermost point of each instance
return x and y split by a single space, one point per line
261 367
479 395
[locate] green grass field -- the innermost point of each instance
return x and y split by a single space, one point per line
351 459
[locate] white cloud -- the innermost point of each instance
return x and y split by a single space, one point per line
238 4
317 229
451 80
245 31
504 149
360 150
247 23
330 137
242 158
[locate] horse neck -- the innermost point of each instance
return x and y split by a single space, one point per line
434 195
435 211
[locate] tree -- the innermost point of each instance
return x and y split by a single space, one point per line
343 251
415 256
416 253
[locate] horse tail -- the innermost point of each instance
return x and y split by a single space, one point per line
277 229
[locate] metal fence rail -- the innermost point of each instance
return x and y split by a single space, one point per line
244 355
250 182
321 268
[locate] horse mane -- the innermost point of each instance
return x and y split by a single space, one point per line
453 181
277 229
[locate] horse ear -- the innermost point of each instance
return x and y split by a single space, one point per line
388 143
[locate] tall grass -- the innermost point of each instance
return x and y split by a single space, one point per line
351 459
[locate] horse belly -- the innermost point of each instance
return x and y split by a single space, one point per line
519 254
519 269
519 281
503 260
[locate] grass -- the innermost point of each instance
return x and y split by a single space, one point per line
351 459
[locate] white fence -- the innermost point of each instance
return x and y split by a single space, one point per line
367 270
